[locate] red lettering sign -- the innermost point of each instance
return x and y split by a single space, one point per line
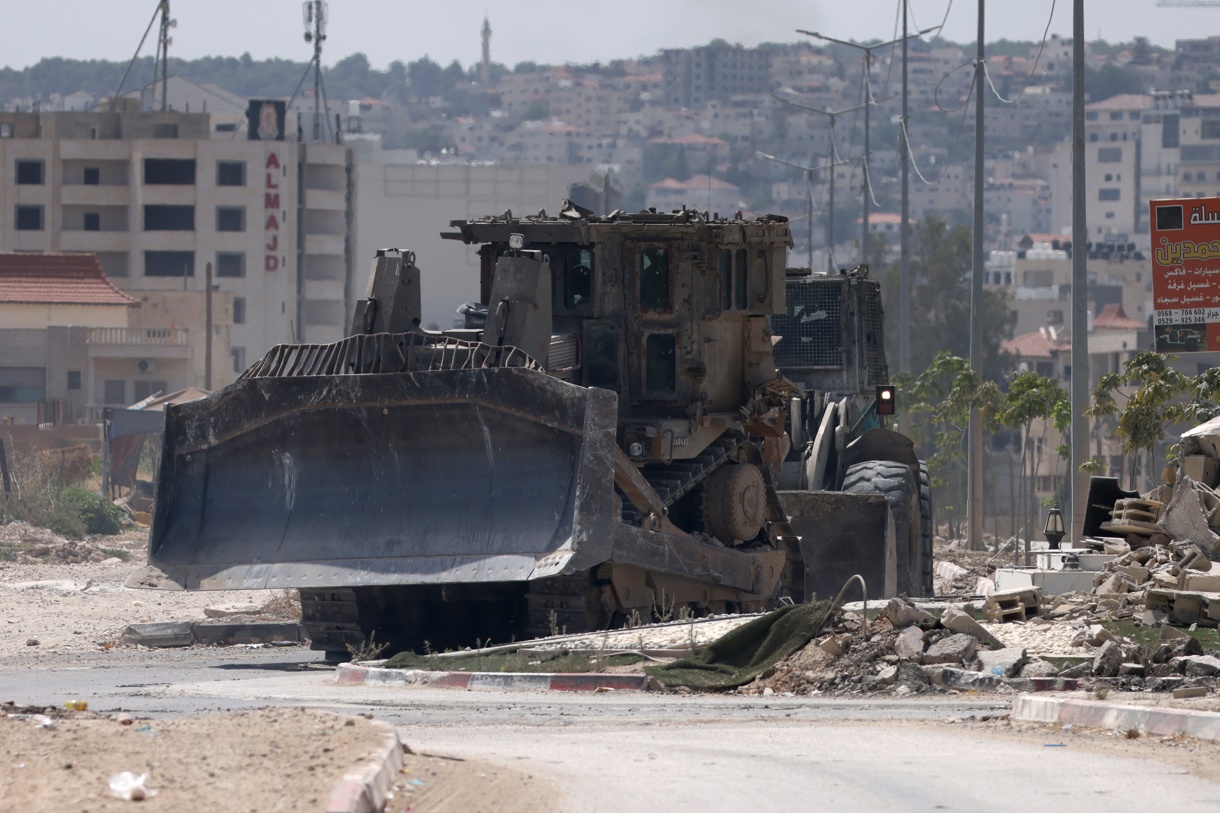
271 203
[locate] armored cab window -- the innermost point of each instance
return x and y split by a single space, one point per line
741 279
654 279
578 279
660 376
726 279
601 356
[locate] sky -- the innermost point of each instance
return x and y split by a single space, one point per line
548 32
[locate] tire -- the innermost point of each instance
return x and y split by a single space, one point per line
900 487
927 527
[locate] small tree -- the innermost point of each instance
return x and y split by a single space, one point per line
941 400
1154 392
1032 397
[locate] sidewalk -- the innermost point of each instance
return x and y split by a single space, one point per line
372 675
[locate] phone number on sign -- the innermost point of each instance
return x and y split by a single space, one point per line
1189 316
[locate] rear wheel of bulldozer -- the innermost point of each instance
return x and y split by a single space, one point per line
927 527
900 487
735 502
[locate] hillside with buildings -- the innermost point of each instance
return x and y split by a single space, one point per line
171 194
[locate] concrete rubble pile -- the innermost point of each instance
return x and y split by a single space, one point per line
907 650
1166 542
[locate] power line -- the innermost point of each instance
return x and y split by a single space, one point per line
1032 70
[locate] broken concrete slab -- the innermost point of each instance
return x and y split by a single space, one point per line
1197 665
1108 660
1037 668
1019 604
958 620
256 633
904 614
1006 662
909 644
956 648
166 634
230 610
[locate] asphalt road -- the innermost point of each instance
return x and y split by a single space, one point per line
630 751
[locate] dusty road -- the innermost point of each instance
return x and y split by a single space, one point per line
706 753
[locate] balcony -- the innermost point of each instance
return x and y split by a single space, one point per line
144 342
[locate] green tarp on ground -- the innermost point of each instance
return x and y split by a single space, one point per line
741 655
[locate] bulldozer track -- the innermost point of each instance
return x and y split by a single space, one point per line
558 605
674 480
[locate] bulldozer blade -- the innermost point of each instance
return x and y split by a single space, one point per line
843 535
474 475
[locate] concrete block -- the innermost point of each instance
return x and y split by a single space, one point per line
1189 691
1201 469
904 614
954 678
958 620
257 633
1201 582
1108 660
909 644
1003 662
1165 684
1134 669
170 634
230 610
957 648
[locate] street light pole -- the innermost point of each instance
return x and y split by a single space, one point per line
833 115
904 239
868 100
808 191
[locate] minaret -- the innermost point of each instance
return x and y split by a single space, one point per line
485 68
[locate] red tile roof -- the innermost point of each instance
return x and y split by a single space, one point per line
1113 317
57 279
1037 345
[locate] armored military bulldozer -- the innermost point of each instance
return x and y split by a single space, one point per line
643 415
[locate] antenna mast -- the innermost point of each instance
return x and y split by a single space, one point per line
315 31
164 40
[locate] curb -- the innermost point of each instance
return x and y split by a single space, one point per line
356 675
1203 725
364 788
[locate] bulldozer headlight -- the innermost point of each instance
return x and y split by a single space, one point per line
886 401
516 241
636 449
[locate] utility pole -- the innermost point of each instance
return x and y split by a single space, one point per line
315 31
1080 281
904 240
833 115
868 101
974 499
207 321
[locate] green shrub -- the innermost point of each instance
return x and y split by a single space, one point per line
98 514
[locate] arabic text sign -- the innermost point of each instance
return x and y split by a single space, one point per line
1186 274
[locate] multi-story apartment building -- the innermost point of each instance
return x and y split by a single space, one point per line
695 76
159 197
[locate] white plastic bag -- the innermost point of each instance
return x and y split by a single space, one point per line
127 785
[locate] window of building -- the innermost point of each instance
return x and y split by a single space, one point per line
1116 116
1210 129
239 310
169 218
93 221
1109 193
147 389
74 379
29 218
654 279
725 269
230 264
173 171
239 359
230 218
169 263
660 372
1114 136
93 176
1054 317
1170 138
1109 155
114 392
29 172
22 385
231 173
1092 136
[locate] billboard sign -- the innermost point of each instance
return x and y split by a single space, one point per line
1186 274
265 119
